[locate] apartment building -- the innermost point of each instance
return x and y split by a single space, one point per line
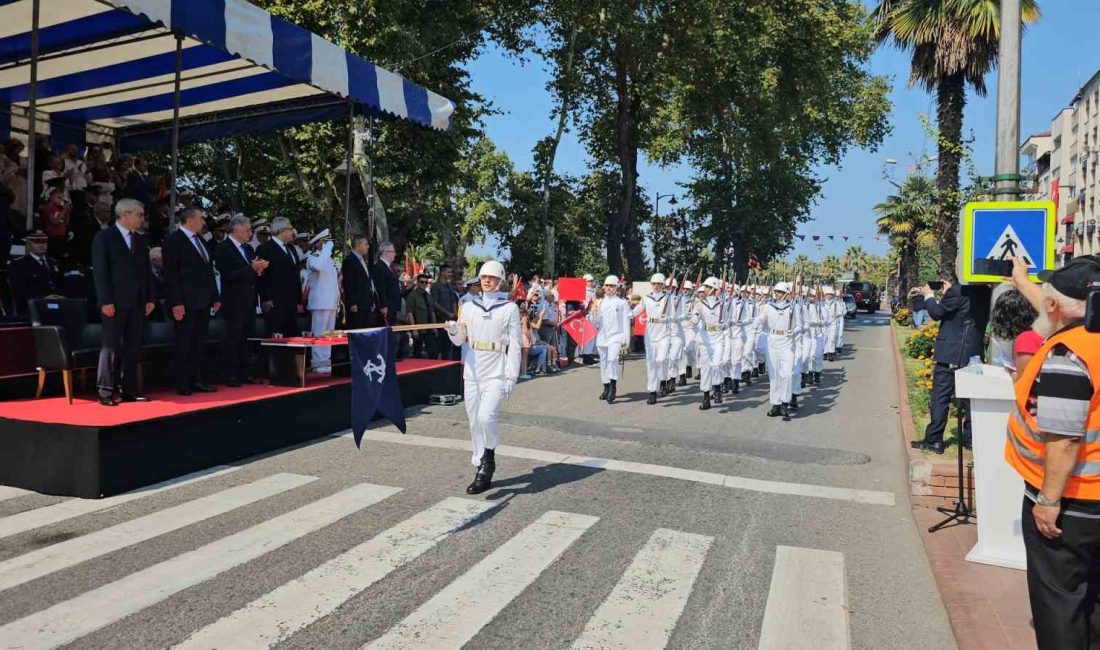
1063 165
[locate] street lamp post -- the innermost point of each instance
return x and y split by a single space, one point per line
657 210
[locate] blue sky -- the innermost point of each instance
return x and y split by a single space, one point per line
1060 54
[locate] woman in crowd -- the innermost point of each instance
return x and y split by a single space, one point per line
55 214
13 174
528 338
1012 341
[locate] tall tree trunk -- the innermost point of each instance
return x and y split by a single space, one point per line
624 122
951 100
549 235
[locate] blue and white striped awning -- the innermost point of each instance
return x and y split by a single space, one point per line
106 70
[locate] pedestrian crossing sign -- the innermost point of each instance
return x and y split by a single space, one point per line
994 232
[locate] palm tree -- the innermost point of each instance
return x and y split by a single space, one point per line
856 260
803 264
907 218
953 43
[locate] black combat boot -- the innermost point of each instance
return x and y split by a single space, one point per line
652 398
683 379
746 378
706 402
671 386
606 390
689 372
736 387
794 403
805 380
817 379
483 479
727 385
716 395
611 393
775 412
763 367
755 372
786 410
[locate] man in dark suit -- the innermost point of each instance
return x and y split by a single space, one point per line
959 339
360 300
33 275
280 287
124 285
191 294
389 290
239 269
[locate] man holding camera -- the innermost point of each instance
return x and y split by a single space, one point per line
959 339
1054 444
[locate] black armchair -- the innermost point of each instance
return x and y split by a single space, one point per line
60 328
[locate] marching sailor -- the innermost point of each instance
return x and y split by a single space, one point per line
657 335
760 337
830 323
612 317
488 329
839 309
744 330
687 359
777 322
706 316
735 340
677 339
817 325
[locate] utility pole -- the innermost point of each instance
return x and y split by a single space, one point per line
1007 168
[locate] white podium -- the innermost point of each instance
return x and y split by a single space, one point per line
999 491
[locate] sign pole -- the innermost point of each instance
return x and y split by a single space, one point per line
1007 168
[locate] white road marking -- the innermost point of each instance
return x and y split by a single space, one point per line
69 620
277 615
7 492
872 497
807 603
58 512
455 614
643 608
53 558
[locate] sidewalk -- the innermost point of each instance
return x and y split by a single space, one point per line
988 606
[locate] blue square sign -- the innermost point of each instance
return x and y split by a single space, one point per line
994 232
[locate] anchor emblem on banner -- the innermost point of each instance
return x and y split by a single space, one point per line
379 368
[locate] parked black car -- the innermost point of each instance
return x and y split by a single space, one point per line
866 294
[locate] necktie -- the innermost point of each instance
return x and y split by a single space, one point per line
45 264
247 250
201 247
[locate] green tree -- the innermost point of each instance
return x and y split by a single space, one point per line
856 260
954 44
908 218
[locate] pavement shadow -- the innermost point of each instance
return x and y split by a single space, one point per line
539 479
822 398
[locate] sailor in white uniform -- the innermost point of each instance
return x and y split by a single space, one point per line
817 319
588 350
611 314
830 322
324 296
657 335
760 339
488 329
839 309
777 321
687 358
744 330
706 318
677 336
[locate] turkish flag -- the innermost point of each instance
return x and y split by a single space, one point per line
572 290
580 329
640 323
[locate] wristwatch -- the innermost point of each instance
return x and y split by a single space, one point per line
1043 501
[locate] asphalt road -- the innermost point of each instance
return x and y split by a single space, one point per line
610 526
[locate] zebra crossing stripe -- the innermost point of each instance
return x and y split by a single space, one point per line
807 603
454 615
12 492
69 620
277 615
31 519
645 605
50 559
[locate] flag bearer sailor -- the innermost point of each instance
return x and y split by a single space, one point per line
657 335
677 339
612 316
777 321
706 317
687 358
488 329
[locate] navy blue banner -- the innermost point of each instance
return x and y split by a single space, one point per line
374 386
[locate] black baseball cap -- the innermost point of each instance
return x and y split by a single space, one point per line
1075 278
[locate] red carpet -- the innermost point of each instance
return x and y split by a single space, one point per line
85 410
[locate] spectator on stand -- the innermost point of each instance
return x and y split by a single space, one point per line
446 308
1052 445
280 287
528 339
76 176
916 307
139 185
191 295
99 171
239 269
388 286
34 275
421 308
122 168
55 215
42 155
360 300
13 175
1010 332
324 296
156 264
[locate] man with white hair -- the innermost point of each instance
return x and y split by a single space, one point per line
488 329
777 322
1053 445
280 287
657 334
706 317
611 314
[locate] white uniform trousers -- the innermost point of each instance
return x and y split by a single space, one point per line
656 362
324 320
817 360
676 344
735 351
711 351
483 400
839 333
761 347
609 362
830 337
688 357
748 350
780 369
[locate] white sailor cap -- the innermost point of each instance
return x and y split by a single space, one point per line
658 278
588 278
784 287
688 284
324 234
612 280
713 282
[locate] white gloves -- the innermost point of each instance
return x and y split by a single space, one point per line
452 327
509 386
326 248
